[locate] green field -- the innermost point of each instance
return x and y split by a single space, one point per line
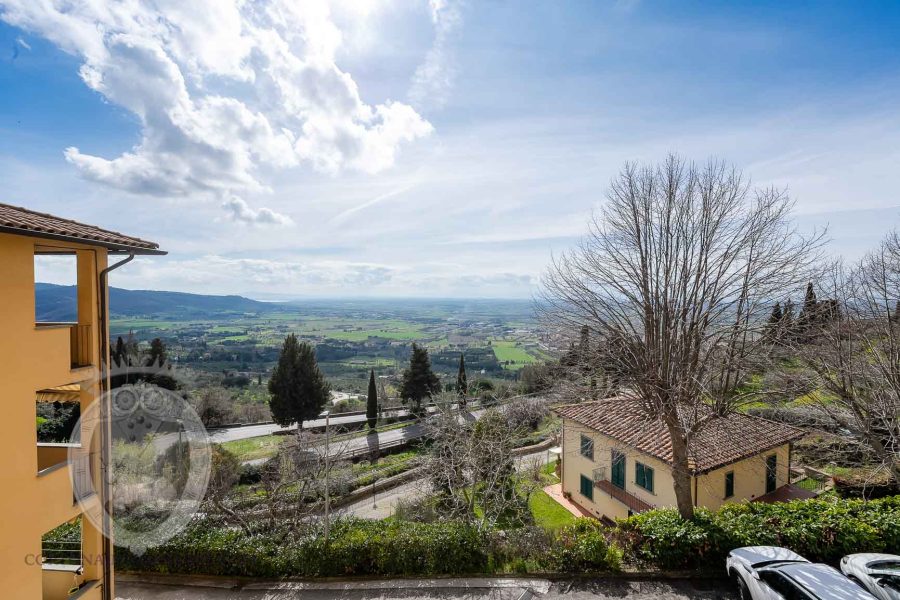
253 448
512 352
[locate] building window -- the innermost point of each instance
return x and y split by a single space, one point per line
618 469
729 484
643 476
587 447
587 488
771 473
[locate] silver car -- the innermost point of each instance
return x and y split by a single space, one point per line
878 573
772 573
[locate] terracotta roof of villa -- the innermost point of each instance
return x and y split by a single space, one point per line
22 221
721 441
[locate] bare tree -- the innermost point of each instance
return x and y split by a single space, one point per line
675 281
471 466
853 350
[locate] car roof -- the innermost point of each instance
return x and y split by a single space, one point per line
758 555
823 581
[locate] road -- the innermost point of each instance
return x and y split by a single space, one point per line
386 502
443 589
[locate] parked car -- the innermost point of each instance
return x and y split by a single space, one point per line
772 573
878 573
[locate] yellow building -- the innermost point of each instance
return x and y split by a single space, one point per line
49 362
616 462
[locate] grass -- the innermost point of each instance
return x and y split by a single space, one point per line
512 352
547 512
252 448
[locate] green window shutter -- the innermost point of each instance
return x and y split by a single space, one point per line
587 447
729 484
618 469
643 476
587 487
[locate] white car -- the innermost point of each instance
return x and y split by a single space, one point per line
878 573
772 573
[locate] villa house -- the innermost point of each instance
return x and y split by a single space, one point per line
44 486
616 462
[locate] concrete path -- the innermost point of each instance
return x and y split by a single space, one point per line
428 589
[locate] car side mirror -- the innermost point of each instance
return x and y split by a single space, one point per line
881 582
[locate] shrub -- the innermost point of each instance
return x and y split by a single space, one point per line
821 530
583 546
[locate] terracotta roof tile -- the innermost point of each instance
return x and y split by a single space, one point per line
21 221
722 441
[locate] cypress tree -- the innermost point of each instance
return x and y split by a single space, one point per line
297 389
419 381
372 402
896 316
774 323
809 314
462 384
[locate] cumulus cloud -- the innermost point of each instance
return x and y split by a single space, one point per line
240 211
222 89
433 79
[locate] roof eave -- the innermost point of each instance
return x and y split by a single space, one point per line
115 248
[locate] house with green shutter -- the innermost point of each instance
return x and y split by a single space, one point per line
616 462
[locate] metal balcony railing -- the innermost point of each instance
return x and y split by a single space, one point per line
634 504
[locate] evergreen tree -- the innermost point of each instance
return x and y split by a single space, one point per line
809 314
158 355
788 326
774 324
118 354
896 316
462 383
372 402
419 381
298 390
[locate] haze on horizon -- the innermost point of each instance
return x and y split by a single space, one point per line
434 148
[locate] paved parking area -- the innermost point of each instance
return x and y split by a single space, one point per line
453 589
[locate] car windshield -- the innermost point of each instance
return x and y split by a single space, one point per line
885 565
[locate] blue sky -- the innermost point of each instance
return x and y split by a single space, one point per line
428 148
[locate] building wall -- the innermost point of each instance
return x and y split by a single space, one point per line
749 479
709 489
33 358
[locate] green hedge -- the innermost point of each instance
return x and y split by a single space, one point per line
355 548
821 530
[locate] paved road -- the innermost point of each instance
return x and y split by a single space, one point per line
386 502
444 589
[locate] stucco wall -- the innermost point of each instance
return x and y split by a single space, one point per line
32 359
749 479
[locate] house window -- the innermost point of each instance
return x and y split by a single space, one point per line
587 488
729 484
587 447
618 469
643 476
771 473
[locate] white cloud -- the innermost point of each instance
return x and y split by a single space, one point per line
240 211
21 41
433 79
223 89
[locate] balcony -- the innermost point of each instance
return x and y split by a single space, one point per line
80 342
634 504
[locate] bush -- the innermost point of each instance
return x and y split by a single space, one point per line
821 530
355 548
583 546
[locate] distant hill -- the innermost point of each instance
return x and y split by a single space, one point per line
57 303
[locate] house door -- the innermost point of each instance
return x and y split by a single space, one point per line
618 469
771 473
